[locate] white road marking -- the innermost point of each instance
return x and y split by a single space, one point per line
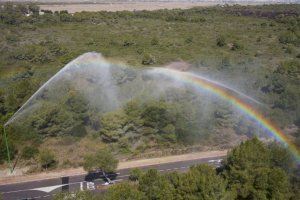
81 186
41 189
49 188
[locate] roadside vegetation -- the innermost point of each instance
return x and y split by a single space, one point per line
255 46
252 170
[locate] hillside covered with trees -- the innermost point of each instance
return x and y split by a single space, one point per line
253 48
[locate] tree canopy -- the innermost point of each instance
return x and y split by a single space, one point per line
101 160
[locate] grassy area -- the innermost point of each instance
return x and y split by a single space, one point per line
254 48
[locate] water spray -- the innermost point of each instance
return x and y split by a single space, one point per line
239 100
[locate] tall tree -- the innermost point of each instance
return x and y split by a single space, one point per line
102 160
155 186
124 191
251 175
200 182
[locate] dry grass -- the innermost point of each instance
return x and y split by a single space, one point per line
70 152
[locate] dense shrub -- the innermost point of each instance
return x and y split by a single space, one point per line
47 159
221 41
289 38
29 152
135 174
236 46
148 59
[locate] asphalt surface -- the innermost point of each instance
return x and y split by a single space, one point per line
45 189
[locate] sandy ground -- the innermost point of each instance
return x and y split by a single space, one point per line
17 178
72 8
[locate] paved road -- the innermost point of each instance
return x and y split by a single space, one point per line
45 189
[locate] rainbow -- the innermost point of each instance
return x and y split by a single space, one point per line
224 93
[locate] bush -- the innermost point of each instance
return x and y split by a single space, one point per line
47 159
290 68
148 59
189 40
135 174
101 160
154 41
124 191
236 46
221 41
82 195
78 131
12 38
288 38
29 152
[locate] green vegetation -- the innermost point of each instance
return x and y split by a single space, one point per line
135 174
253 48
124 191
29 152
250 171
102 160
78 195
47 159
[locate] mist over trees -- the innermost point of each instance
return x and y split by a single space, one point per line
254 48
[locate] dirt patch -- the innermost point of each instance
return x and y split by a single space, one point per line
170 159
133 6
179 65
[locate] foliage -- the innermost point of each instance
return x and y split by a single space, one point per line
135 174
289 68
3 149
29 152
221 41
112 126
148 59
253 173
154 186
289 37
47 159
200 182
123 191
264 63
101 160
252 170
82 195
